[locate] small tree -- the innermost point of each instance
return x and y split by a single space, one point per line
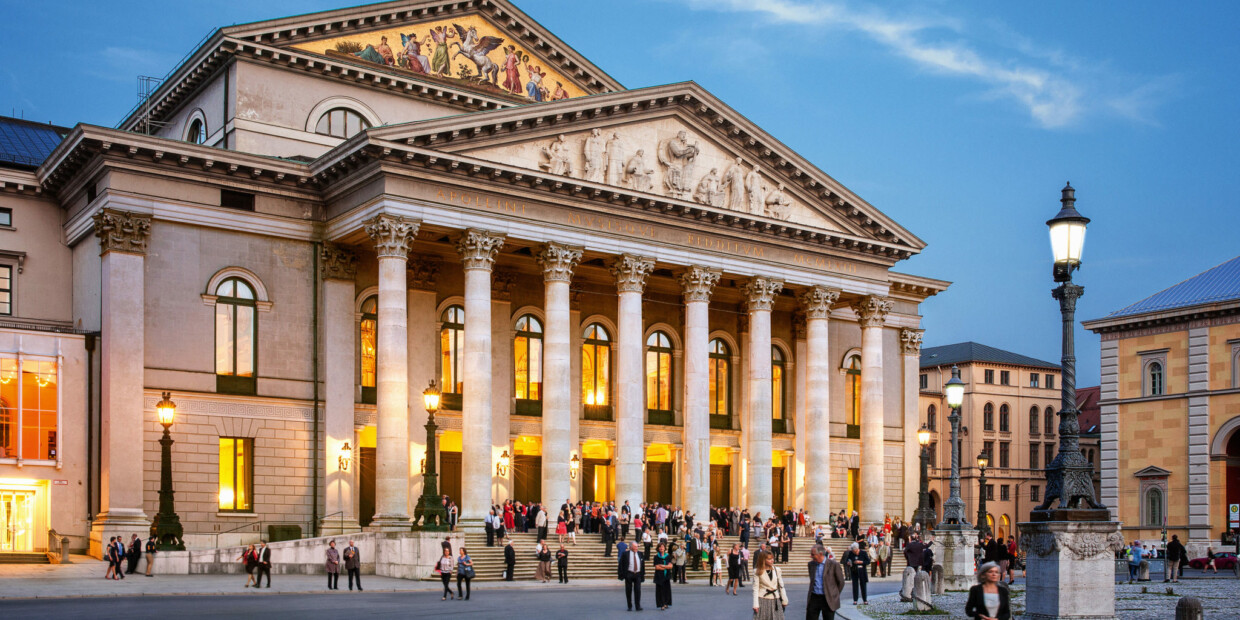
348 47
464 71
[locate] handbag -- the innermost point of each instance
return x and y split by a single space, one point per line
469 572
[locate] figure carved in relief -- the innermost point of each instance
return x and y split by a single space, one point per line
476 49
440 61
734 186
639 176
753 191
615 160
415 60
677 155
596 156
557 158
512 70
708 192
778 205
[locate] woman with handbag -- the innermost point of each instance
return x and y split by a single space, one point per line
769 596
464 572
444 567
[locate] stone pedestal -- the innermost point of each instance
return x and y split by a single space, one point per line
953 549
1071 569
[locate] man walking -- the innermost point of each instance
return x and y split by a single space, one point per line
632 573
135 554
353 565
826 580
1176 555
510 560
264 564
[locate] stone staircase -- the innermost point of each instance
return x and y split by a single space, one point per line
23 558
800 556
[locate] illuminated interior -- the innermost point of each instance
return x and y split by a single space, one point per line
720 365
28 404
451 347
595 366
853 391
236 474
659 372
369 331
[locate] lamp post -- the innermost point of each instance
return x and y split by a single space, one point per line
430 510
166 528
983 524
574 466
925 514
953 508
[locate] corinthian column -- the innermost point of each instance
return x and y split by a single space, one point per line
122 242
816 303
393 236
872 313
557 261
760 299
910 345
697 283
338 333
630 272
477 249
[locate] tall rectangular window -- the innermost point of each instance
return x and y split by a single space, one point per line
1005 377
1033 380
28 406
6 290
1050 454
924 381
989 448
1005 492
989 376
1004 454
1034 452
1050 382
1034 493
236 474
990 492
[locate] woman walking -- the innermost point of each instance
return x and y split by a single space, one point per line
662 578
333 566
464 572
1209 561
988 600
249 558
856 561
110 556
769 596
734 570
444 568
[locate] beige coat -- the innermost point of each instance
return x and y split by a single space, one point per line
769 587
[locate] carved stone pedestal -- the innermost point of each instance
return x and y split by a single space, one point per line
953 549
1071 569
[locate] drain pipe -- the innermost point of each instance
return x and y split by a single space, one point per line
316 444
90 427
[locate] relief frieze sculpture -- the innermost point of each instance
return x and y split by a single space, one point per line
676 155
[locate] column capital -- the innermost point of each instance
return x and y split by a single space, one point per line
558 261
422 273
697 282
817 301
478 248
337 263
872 310
393 234
760 292
910 341
122 231
501 285
630 272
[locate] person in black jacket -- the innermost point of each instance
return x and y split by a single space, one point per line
510 560
1176 555
135 554
632 572
989 599
855 562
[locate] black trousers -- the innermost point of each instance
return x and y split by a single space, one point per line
624 531
633 591
542 532
785 549
859 582
133 563
663 594
817 607
333 581
459 579
447 584
509 567
262 570
490 535
563 570
355 573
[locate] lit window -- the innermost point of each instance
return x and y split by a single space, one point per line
853 391
368 333
6 290
528 365
28 405
236 474
1004 418
1156 379
1033 420
777 389
932 418
659 378
451 348
988 417
341 123
236 329
720 384
197 132
596 372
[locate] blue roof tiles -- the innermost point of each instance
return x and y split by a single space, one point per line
965 352
1221 283
27 143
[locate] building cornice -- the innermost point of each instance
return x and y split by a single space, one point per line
1183 318
913 288
24 182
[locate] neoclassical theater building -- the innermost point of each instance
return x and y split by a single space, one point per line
623 294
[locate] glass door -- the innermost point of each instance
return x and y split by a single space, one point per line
16 520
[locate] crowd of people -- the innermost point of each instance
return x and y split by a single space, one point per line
123 560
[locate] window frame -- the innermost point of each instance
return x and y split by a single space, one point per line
656 415
17 413
1005 377
719 356
1033 379
528 406
1035 492
1005 418
11 303
369 392
1005 454
247 442
232 383
602 350
932 418
1035 450
1155 378
852 378
198 119
1049 422
988 417
988 376
6 213
1035 426
346 112
449 399
1147 518
923 381
1005 493
1050 381
779 418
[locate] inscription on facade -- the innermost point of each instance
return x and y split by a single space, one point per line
609 224
483 201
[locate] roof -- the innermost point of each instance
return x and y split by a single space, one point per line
27 143
1221 283
1090 412
965 352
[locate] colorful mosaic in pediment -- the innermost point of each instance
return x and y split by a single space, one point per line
467 51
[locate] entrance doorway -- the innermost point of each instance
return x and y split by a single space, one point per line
526 478
596 480
16 520
720 486
659 483
777 491
854 490
366 494
450 475
1232 519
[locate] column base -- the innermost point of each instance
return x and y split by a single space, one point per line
472 526
117 522
389 523
953 549
335 526
1071 569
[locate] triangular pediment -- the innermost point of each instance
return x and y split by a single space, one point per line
692 149
1152 472
487 47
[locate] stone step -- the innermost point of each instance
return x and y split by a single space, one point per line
23 558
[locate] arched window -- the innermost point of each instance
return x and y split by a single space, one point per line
236 331
451 349
1033 420
596 372
659 379
528 365
197 132
1050 421
1153 505
988 417
1004 418
341 123
932 418
852 395
1156 378
368 331
779 422
720 384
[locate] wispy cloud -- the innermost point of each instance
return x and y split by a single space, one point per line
1042 80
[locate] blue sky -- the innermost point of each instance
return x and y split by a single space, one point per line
961 120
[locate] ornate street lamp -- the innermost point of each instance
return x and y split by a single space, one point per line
574 466
430 510
166 528
501 468
953 508
925 513
983 524
1069 477
346 456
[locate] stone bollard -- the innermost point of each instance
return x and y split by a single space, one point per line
1143 574
936 579
906 585
1189 608
921 592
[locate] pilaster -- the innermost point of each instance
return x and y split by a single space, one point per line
910 346
338 334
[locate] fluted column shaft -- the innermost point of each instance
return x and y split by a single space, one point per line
760 298
817 302
697 283
630 272
872 314
393 237
477 249
557 262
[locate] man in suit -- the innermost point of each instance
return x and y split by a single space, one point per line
609 539
352 564
854 525
135 554
913 551
633 573
510 560
490 527
826 580
541 523
264 564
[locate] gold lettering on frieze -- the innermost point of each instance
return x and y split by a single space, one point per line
824 263
608 224
725 245
481 201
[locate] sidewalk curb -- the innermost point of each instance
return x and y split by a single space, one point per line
848 612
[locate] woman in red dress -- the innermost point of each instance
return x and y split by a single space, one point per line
510 524
512 70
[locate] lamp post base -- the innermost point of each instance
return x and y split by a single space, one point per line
388 523
429 515
1071 569
953 549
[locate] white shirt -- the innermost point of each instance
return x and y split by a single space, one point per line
634 562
